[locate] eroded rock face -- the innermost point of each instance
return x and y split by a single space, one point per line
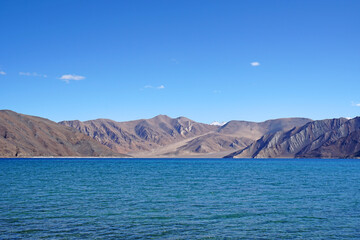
26 136
324 138
343 142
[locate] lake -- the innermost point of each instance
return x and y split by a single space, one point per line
179 199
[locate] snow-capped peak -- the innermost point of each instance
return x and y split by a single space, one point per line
215 123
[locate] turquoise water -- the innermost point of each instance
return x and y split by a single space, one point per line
179 199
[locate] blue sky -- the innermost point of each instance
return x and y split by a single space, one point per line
206 60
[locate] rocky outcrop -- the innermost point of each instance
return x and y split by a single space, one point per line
324 138
343 142
28 136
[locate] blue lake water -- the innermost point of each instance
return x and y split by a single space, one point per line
179 199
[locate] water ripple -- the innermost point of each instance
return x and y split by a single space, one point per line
179 199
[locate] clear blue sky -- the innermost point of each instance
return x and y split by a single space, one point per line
206 60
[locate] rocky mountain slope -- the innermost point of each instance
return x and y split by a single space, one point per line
255 130
342 142
334 138
26 136
345 147
171 137
140 135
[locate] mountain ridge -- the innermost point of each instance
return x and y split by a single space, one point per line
162 136
304 141
147 137
27 136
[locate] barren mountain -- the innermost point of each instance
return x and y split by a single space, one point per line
345 147
255 130
165 136
162 136
141 135
324 138
26 136
214 142
340 143
237 135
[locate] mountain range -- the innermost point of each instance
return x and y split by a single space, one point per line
29 136
163 136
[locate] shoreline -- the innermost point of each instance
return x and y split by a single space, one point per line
178 157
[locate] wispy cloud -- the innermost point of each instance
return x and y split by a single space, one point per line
71 77
216 91
34 74
2 73
255 64
355 104
152 87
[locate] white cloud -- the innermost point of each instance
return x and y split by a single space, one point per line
152 87
356 104
34 74
2 73
68 77
255 64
